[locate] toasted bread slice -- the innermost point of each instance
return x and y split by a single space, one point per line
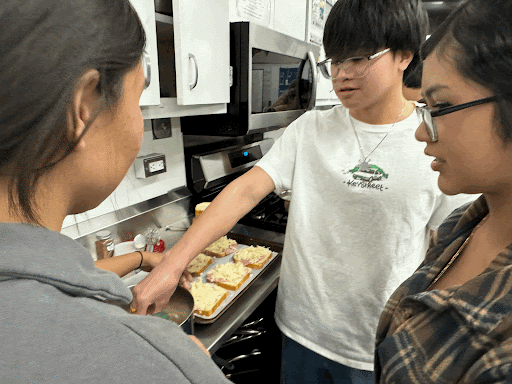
199 264
253 257
200 208
207 297
221 248
230 275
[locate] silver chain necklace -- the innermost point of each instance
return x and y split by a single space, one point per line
363 157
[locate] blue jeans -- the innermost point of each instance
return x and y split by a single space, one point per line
301 365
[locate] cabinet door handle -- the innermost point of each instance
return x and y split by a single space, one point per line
196 77
146 64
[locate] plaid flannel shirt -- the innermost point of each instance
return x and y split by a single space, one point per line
459 335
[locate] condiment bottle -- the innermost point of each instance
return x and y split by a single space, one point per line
104 245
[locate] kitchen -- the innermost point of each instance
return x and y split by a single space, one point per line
198 137
184 116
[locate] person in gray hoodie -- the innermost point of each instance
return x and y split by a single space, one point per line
70 127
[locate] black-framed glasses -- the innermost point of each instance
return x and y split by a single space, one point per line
428 114
358 65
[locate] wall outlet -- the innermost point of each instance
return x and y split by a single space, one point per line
149 165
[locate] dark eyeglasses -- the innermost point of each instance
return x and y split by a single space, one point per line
428 114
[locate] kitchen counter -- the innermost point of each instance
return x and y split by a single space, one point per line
215 334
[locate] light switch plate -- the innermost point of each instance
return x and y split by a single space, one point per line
149 165
162 128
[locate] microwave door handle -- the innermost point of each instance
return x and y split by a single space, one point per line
310 57
196 75
314 76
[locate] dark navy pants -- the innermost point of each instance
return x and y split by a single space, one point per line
303 366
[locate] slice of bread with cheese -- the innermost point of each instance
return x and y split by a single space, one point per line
199 264
201 207
207 297
229 275
253 257
221 247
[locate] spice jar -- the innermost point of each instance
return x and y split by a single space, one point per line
104 245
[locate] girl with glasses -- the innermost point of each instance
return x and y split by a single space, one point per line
451 321
363 203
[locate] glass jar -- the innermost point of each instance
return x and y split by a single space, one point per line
104 245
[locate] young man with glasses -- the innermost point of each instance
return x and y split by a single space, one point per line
364 198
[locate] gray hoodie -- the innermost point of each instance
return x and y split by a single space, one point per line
54 330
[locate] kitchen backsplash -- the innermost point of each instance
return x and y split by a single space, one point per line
133 190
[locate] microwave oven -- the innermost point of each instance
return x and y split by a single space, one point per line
274 81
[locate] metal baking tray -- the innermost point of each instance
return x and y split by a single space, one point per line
243 242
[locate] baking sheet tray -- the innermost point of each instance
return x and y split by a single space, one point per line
243 242
232 295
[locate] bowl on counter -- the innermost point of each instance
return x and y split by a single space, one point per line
179 309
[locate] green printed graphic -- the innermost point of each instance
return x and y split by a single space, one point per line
368 172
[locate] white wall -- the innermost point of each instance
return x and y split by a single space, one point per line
132 190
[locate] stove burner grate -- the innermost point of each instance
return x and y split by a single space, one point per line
269 214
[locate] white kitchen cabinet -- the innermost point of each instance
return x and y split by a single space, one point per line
201 39
324 92
260 12
146 11
317 12
290 17
284 16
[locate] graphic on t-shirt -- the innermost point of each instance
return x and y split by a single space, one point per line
368 172
364 176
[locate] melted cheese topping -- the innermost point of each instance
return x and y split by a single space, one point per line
206 295
220 245
198 263
229 272
252 255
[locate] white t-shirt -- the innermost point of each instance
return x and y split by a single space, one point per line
355 231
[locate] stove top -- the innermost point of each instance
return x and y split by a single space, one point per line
269 214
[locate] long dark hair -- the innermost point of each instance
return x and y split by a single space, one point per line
477 38
45 47
369 25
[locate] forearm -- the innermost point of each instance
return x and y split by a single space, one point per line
120 265
238 198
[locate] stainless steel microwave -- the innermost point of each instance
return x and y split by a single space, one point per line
274 82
